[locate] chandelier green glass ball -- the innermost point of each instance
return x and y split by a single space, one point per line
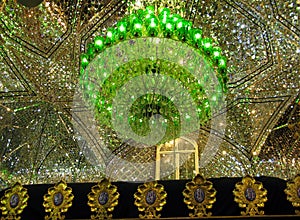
147 24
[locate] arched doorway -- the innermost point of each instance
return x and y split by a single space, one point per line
177 159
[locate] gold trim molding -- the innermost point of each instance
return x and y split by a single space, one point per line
14 202
150 198
199 195
251 195
293 192
58 200
102 199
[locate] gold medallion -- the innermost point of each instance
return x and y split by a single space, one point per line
102 199
13 202
150 198
199 195
58 200
293 193
251 195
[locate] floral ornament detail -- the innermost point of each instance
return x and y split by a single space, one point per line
293 192
102 199
251 195
150 198
57 201
14 202
199 195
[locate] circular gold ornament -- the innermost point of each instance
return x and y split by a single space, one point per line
251 195
150 198
102 199
57 201
14 201
293 192
199 195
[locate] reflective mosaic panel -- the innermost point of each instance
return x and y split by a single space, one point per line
47 132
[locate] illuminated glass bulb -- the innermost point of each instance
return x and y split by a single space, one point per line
110 36
122 29
169 28
182 28
216 54
99 43
84 60
164 12
222 62
207 45
91 51
153 27
150 9
195 36
137 27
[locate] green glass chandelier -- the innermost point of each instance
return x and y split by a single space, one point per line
146 73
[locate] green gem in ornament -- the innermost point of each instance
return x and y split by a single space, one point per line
216 54
152 28
150 17
132 17
207 45
122 29
137 26
150 9
140 13
181 29
222 62
99 43
195 36
91 51
84 60
110 36
175 18
169 28
164 12
163 22
222 69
